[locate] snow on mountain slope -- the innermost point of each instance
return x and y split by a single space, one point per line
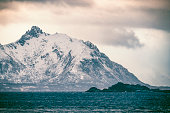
43 62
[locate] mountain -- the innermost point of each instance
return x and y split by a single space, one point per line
39 61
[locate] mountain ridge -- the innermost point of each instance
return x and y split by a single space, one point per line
40 58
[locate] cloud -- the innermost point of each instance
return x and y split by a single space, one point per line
6 4
159 18
136 17
14 11
82 3
160 78
130 13
135 13
121 37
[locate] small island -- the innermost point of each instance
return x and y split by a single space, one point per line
121 87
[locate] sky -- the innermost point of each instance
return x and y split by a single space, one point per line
133 33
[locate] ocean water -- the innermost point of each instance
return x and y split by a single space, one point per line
84 102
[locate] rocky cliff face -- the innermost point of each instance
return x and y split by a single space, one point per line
43 62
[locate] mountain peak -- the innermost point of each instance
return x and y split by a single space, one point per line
35 31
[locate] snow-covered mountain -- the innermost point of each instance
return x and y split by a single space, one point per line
43 62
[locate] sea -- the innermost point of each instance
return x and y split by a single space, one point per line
84 102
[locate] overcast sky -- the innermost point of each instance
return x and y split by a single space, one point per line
133 33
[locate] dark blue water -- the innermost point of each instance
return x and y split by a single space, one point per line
84 102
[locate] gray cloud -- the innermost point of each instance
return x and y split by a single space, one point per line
6 4
14 8
137 13
144 14
157 18
137 18
121 37
161 78
161 19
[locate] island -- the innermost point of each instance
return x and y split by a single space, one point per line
121 87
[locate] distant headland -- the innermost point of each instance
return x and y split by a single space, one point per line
121 87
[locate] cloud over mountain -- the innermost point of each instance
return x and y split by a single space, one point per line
121 37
